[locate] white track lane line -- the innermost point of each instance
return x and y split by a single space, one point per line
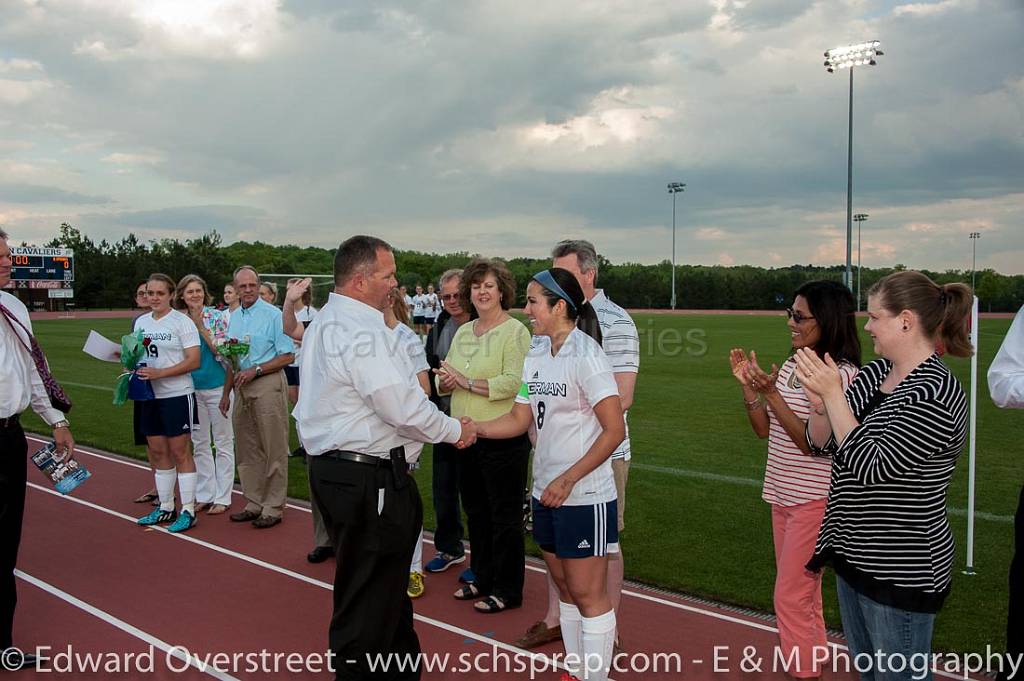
122 625
294 575
664 470
626 592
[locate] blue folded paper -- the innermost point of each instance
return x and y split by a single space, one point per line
140 389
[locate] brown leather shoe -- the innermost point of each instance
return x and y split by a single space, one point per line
538 634
265 521
244 516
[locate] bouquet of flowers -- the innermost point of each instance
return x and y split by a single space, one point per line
129 385
234 351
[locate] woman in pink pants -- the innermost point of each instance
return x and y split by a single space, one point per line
796 482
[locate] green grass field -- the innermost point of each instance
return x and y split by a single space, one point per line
695 519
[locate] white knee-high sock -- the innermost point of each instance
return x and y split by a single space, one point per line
165 487
571 621
598 644
417 555
187 487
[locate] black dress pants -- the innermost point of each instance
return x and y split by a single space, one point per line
374 527
1015 618
13 462
447 512
492 476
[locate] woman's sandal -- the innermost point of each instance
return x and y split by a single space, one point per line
467 593
490 605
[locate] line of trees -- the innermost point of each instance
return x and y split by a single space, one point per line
106 273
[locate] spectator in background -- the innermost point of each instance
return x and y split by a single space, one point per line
796 482
894 436
142 303
419 318
303 312
261 404
482 373
230 299
268 291
1006 384
413 359
212 380
298 293
407 298
431 308
447 512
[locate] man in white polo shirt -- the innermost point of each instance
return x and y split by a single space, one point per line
357 411
621 343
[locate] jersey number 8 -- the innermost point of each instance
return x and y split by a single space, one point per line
540 415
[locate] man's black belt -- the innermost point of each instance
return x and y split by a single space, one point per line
395 461
10 422
368 459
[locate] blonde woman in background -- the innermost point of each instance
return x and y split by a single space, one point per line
213 380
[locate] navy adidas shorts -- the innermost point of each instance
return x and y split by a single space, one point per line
577 531
168 416
292 374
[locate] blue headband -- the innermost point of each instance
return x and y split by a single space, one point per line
545 279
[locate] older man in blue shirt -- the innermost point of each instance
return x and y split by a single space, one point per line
261 403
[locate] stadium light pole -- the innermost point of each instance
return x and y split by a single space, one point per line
836 59
859 218
673 189
974 256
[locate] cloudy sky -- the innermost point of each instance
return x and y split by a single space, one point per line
499 126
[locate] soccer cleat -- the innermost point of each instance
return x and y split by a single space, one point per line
416 587
443 561
157 516
184 522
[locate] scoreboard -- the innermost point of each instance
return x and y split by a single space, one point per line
43 264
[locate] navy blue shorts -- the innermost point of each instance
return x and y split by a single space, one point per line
419 319
292 374
168 416
577 531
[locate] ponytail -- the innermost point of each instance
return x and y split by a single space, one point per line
561 284
586 321
959 300
942 310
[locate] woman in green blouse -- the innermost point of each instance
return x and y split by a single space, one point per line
483 372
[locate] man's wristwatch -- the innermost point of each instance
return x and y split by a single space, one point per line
61 424
259 371
470 380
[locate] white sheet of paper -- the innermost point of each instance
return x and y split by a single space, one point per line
98 346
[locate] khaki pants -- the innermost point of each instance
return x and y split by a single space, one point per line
620 470
261 443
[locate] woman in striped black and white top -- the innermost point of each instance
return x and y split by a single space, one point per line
894 436
795 482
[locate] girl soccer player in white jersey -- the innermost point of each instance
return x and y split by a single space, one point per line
570 400
172 352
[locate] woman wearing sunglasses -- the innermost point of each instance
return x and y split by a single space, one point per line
796 482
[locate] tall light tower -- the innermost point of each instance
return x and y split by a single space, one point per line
861 54
673 189
859 218
974 257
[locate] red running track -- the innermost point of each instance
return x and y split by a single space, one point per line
93 582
